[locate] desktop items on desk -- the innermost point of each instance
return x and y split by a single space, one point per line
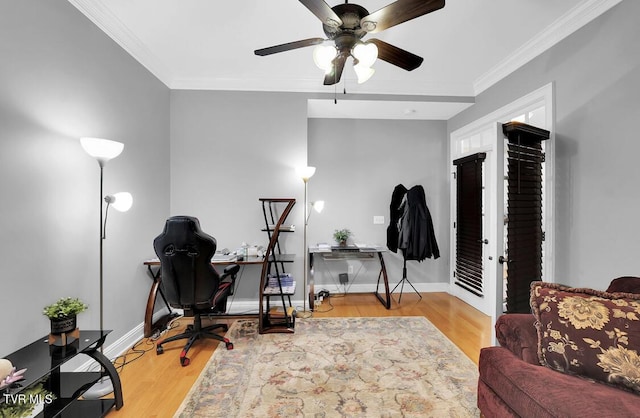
243 253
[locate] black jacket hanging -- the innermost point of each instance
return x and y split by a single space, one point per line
394 216
416 236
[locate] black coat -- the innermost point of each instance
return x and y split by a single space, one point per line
416 237
394 217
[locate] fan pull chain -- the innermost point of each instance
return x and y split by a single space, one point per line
335 85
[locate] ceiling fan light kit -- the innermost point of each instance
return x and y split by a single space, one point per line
363 72
323 56
346 24
365 53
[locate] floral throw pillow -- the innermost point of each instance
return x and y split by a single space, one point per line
588 333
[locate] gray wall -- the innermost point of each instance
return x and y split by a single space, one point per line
359 162
228 149
596 72
62 78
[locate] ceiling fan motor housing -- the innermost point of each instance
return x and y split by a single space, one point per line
350 14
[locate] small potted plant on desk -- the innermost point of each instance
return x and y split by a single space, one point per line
341 236
63 315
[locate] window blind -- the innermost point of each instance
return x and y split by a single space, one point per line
468 226
525 158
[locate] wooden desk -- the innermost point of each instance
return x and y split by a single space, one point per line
351 253
153 267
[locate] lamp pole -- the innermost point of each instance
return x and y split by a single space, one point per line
305 313
101 251
305 173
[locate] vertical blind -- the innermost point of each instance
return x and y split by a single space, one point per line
469 235
525 158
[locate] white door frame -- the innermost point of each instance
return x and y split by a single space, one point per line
491 303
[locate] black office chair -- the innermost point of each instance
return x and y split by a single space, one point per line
190 282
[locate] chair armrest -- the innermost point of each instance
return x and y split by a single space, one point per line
230 270
517 333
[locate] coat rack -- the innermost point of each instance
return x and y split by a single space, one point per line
404 279
410 230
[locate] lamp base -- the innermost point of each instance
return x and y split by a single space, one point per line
102 388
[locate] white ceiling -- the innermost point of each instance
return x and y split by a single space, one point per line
467 46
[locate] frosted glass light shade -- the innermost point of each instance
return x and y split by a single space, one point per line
365 53
318 205
121 202
101 149
323 56
306 173
363 73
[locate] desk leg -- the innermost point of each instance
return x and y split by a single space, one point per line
149 325
311 294
383 273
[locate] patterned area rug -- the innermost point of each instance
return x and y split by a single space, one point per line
336 367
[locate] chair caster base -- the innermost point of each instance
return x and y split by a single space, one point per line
184 361
228 344
159 350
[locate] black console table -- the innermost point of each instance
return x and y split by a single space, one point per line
352 252
43 362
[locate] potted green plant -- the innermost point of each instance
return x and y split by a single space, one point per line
63 314
341 236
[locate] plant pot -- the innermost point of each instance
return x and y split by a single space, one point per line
63 325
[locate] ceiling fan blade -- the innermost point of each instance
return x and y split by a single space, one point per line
323 12
398 12
333 77
288 46
397 56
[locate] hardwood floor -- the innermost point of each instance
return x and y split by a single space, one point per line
154 386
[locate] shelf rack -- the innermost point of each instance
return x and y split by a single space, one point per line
276 211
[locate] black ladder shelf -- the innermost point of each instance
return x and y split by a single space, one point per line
275 211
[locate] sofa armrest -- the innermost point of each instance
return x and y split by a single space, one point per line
517 333
624 284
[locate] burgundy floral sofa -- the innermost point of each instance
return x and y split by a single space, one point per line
575 356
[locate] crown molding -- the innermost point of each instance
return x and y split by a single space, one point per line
373 86
103 18
573 20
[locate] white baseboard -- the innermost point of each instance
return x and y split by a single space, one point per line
369 288
121 345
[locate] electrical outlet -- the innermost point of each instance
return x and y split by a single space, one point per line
378 220
350 270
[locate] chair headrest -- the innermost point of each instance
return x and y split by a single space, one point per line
183 234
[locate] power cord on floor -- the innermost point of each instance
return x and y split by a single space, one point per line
124 359
149 345
323 297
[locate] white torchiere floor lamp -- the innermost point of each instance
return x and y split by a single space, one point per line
306 173
104 150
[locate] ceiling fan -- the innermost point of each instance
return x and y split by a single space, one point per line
346 24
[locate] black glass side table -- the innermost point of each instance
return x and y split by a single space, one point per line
43 362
